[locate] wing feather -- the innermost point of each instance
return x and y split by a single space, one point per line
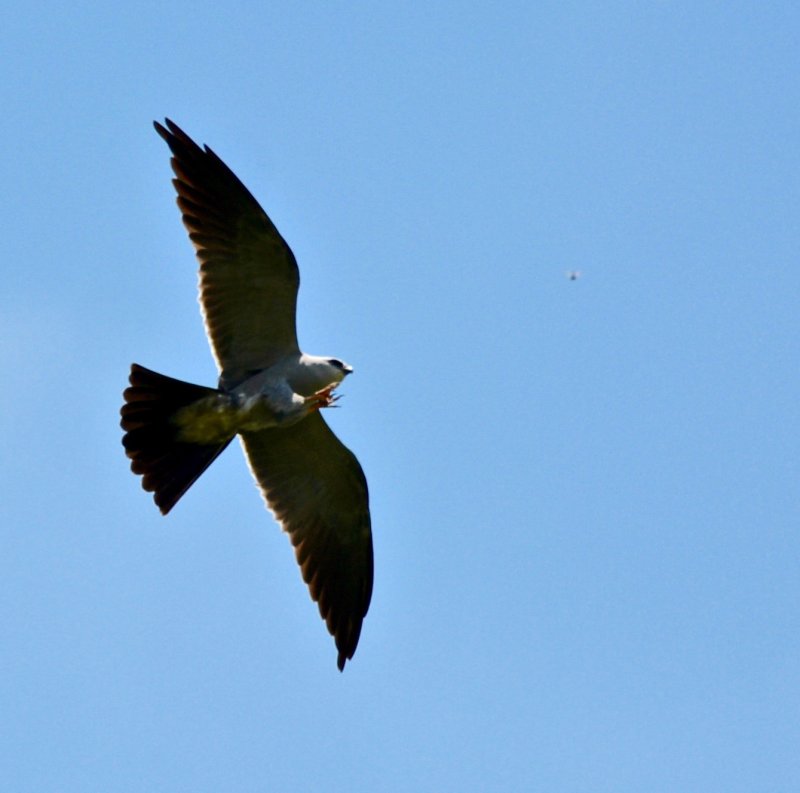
315 487
248 274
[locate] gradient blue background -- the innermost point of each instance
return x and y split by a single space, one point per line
584 493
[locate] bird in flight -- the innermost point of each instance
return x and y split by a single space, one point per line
270 393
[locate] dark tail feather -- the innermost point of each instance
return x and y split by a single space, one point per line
168 466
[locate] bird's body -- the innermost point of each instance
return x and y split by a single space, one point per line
281 395
269 393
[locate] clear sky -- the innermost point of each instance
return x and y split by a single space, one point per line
584 493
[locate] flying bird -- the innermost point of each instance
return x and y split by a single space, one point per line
270 393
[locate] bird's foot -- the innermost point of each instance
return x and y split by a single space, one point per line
324 398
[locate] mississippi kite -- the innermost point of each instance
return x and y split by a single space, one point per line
269 393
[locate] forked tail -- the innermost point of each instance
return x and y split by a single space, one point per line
168 466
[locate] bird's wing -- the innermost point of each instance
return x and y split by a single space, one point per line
315 487
248 274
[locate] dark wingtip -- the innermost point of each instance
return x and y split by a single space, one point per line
172 132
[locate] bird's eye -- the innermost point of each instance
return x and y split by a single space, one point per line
335 362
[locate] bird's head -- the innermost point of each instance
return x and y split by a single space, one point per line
316 371
340 368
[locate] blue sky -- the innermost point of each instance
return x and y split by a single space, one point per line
584 493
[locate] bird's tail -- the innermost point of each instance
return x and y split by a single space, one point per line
167 464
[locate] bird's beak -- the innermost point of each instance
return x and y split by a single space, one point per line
348 369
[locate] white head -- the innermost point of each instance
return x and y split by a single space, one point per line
343 369
315 372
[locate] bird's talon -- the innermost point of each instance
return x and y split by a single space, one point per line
324 398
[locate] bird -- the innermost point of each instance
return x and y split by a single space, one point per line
269 393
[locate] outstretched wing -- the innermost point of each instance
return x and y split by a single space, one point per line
317 490
248 274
